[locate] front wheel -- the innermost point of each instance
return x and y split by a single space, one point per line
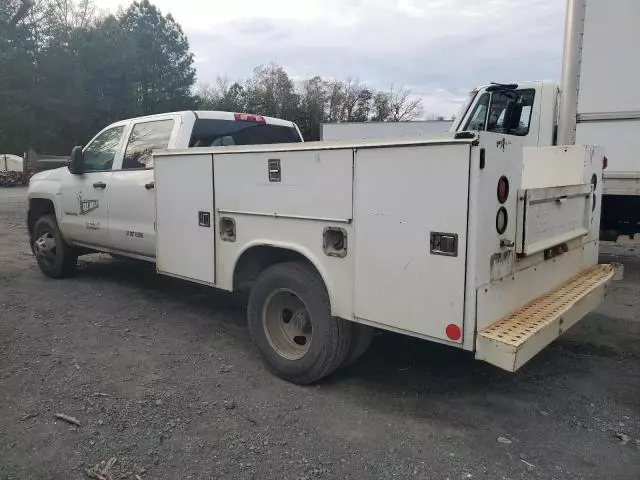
55 258
291 324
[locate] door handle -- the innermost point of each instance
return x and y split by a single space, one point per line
99 185
149 185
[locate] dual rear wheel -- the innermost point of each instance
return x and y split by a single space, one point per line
290 322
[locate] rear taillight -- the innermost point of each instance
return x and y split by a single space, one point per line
605 163
502 219
503 189
248 117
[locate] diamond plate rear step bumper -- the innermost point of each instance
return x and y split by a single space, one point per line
516 338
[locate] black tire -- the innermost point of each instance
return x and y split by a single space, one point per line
330 337
361 336
62 259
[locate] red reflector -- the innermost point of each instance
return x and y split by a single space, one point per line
503 189
605 163
247 117
453 332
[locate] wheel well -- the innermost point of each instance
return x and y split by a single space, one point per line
37 208
256 259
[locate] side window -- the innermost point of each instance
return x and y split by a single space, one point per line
510 112
479 115
145 137
100 153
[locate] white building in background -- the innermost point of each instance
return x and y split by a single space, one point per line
368 130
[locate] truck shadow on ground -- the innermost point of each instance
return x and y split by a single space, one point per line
393 363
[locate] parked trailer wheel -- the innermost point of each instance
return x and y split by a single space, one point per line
55 258
290 322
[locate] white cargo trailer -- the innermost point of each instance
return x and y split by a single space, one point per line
591 106
467 240
372 130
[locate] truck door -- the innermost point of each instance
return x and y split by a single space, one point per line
85 216
132 195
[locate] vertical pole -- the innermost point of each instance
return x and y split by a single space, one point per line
571 60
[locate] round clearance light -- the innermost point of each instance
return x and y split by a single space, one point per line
502 218
503 189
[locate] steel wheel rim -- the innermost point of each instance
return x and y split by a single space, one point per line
287 324
45 248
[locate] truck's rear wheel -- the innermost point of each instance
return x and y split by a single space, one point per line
55 258
361 336
291 324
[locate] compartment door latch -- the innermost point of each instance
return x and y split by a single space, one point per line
444 244
275 173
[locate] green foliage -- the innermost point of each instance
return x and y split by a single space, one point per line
65 73
163 70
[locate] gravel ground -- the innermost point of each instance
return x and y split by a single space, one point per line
162 376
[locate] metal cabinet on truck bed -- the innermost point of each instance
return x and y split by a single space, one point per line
467 240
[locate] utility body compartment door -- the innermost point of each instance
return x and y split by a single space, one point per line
314 184
185 217
403 198
551 216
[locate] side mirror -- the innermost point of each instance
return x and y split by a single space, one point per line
76 164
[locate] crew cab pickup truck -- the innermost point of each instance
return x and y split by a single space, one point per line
107 203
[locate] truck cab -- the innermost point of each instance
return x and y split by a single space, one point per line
104 200
525 111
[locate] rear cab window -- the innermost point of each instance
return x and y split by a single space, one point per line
216 132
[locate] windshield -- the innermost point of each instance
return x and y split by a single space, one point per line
503 111
215 133
463 110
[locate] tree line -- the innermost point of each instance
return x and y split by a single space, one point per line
309 102
67 71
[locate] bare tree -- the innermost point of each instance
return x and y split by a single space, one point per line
381 110
223 95
336 96
351 90
206 94
403 106
23 9
71 14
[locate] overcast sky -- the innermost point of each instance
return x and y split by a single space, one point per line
437 48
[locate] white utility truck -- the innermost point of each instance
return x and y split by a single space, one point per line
108 203
589 107
468 239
